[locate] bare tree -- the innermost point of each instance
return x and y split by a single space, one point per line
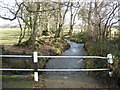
36 17
74 8
61 18
100 17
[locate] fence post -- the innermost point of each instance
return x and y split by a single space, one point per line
35 58
110 61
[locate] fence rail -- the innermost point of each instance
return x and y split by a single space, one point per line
35 60
99 57
55 70
16 56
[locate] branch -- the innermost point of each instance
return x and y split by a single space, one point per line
115 22
11 19
110 16
33 11
8 9
65 11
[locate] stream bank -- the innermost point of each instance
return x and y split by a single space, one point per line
10 79
94 49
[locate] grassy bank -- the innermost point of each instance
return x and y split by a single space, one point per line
100 49
22 81
47 46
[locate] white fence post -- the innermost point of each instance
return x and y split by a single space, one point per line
35 58
110 61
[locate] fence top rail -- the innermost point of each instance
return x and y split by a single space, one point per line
52 70
99 57
15 55
72 57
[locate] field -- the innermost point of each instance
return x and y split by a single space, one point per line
10 37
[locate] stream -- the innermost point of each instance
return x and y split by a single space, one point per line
69 79
67 63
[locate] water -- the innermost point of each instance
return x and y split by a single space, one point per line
69 79
74 50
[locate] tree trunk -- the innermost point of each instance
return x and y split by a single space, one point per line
34 28
58 32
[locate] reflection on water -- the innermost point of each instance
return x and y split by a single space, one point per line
69 63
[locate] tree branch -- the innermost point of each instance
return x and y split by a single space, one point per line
11 19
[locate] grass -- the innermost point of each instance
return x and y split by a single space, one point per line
22 81
24 76
10 37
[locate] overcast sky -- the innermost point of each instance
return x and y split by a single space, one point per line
14 22
11 2
2 21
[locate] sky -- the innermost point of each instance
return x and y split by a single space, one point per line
2 21
14 22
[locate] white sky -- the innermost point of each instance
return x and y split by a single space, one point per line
14 22
2 21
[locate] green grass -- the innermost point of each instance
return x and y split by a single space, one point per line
10 37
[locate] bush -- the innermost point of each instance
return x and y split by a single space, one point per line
80 37
97 48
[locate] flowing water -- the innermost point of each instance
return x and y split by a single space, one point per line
69 79
67 63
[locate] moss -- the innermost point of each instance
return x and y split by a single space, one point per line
42 61
26 43
1 76
58 45
24 52
56 51
14 76
79 37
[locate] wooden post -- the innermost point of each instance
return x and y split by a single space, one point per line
110 61
35 58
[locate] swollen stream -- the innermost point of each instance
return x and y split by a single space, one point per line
67 63
69 79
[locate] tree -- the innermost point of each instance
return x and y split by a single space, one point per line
61 17
36 17
74 8
99 16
